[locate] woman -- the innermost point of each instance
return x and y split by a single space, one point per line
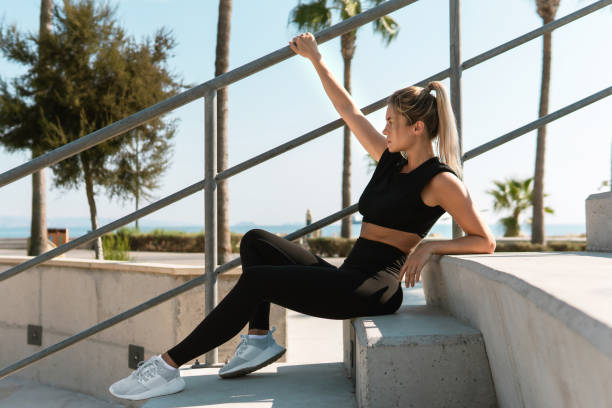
409 190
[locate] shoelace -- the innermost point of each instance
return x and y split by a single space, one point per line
145 371
241 348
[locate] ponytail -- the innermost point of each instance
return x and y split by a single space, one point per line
448 139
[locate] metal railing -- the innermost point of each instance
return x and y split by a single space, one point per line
207 90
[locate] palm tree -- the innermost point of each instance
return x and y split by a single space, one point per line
516 196
317 15
39 240
221 65
547 9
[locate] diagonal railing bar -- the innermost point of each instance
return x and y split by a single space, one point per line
300 140
167 105
534 34
194 188
537 123
159 299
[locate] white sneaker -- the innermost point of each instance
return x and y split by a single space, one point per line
252 354
150 379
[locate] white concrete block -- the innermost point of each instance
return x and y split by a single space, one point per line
421 357
599 222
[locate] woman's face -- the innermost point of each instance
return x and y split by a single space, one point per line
397 131
400 136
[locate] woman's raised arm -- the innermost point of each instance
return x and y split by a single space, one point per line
372 140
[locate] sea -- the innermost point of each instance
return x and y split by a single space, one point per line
333 230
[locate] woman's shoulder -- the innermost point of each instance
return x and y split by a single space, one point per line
440 166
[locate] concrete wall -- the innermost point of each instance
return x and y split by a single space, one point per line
599 222
68 296
546 319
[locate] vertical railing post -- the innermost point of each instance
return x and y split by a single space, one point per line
210 208
455 80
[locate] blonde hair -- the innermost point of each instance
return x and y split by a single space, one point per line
417 103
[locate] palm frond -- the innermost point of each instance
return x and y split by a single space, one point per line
387 28
349 8
313 16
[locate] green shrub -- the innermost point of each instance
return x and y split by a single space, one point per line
176 241
331 246
567 246
126 239
172 241
116 247
235 241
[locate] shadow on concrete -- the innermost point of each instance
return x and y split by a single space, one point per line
278 385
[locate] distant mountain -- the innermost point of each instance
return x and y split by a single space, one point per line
57 222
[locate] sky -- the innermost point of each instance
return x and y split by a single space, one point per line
287 100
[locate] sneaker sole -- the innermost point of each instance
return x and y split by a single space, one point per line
249 369
174 386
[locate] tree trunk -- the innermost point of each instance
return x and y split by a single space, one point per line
92 206
347 42
39 240
537 227
137 174
346 161
224 248
137 210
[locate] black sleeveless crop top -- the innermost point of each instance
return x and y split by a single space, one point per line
393 199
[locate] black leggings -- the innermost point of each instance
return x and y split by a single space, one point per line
277 270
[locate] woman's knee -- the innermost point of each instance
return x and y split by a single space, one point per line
252 234
248 237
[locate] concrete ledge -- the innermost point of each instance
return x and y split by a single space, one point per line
143 267
422 357
546 319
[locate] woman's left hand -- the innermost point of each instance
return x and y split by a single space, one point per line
305 45
414 263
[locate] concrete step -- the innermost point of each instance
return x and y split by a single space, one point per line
277 385
420 356
16 392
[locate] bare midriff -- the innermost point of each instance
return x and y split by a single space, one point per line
404 241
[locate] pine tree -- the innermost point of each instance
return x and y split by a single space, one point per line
93 75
